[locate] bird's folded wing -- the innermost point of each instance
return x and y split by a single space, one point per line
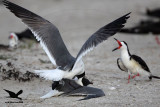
121 65
140 61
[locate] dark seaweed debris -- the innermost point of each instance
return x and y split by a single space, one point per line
8 72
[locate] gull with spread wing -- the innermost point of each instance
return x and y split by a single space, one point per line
50 39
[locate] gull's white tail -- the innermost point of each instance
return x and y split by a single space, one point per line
51 94
54 75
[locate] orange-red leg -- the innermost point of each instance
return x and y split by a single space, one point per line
135 76
128 78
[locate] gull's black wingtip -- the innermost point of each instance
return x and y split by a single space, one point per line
8 4
126 15
122 20
5 2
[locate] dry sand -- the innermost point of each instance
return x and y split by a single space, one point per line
77 20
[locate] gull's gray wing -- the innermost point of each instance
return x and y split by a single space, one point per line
71 88
101 35
121 65
88 92
45 32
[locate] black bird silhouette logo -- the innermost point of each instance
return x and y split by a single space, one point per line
14 95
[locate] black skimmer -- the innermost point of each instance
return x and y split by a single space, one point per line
153 13
13 43
132 64
15 37
52 43
145 27
14 95
26 34
69 87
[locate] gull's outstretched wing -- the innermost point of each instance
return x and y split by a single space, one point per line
101 35
45 32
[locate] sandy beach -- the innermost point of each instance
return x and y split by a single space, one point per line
77 20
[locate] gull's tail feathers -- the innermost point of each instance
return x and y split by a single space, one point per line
54 75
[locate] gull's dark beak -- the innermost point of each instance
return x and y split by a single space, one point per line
86 82
120 45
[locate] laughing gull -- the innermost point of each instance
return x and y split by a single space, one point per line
52 43
71 88
132 64
66 86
